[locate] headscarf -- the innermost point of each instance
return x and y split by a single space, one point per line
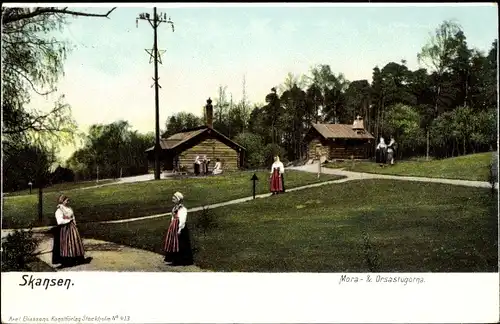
61 199
178 198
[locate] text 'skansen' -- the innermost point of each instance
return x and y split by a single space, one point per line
33 282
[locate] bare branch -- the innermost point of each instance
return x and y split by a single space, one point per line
40 11
32 85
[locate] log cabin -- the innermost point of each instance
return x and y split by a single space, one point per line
180 150
339 141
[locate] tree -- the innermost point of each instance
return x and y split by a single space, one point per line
377 98
112 150
461 70
180 122
358 101
32 64
272 111
438 55
332 88
254 145
294 106
403 122
315 99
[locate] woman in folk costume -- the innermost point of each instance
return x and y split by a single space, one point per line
277 181
178 241
197 163
206 163
217 167
391 150
68 246
381 152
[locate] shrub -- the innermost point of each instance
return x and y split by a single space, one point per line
493 177
206 220
17 250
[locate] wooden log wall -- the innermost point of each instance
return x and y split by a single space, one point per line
343 151
314 146
213 149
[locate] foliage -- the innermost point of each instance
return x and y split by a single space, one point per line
493 177
26 163
254 149
114 150
17 250
180 122
206 220
403 122
32 63
272 150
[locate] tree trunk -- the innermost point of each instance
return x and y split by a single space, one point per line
40 202
464 146
428 146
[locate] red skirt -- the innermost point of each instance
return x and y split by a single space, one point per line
276 182
71 244
172 239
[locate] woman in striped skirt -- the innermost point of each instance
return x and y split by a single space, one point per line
277 182
68 247
178 241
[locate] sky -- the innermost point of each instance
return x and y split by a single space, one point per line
108 76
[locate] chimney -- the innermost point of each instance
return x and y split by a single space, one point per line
209 114
358 125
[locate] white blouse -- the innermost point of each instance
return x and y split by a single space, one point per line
381 145
64 215
278 165
182 214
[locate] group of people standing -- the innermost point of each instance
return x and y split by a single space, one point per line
201 166
386 153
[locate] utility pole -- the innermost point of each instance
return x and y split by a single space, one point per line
155 56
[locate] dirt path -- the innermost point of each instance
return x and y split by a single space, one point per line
108 256
350 175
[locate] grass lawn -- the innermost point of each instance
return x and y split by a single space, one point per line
130 200
60 187
468 167
358 226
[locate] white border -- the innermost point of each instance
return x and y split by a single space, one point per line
254 298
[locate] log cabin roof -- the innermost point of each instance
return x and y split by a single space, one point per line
177 139
330 131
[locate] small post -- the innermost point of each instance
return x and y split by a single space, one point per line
254 178
31 186
97 179
318 154
40 202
